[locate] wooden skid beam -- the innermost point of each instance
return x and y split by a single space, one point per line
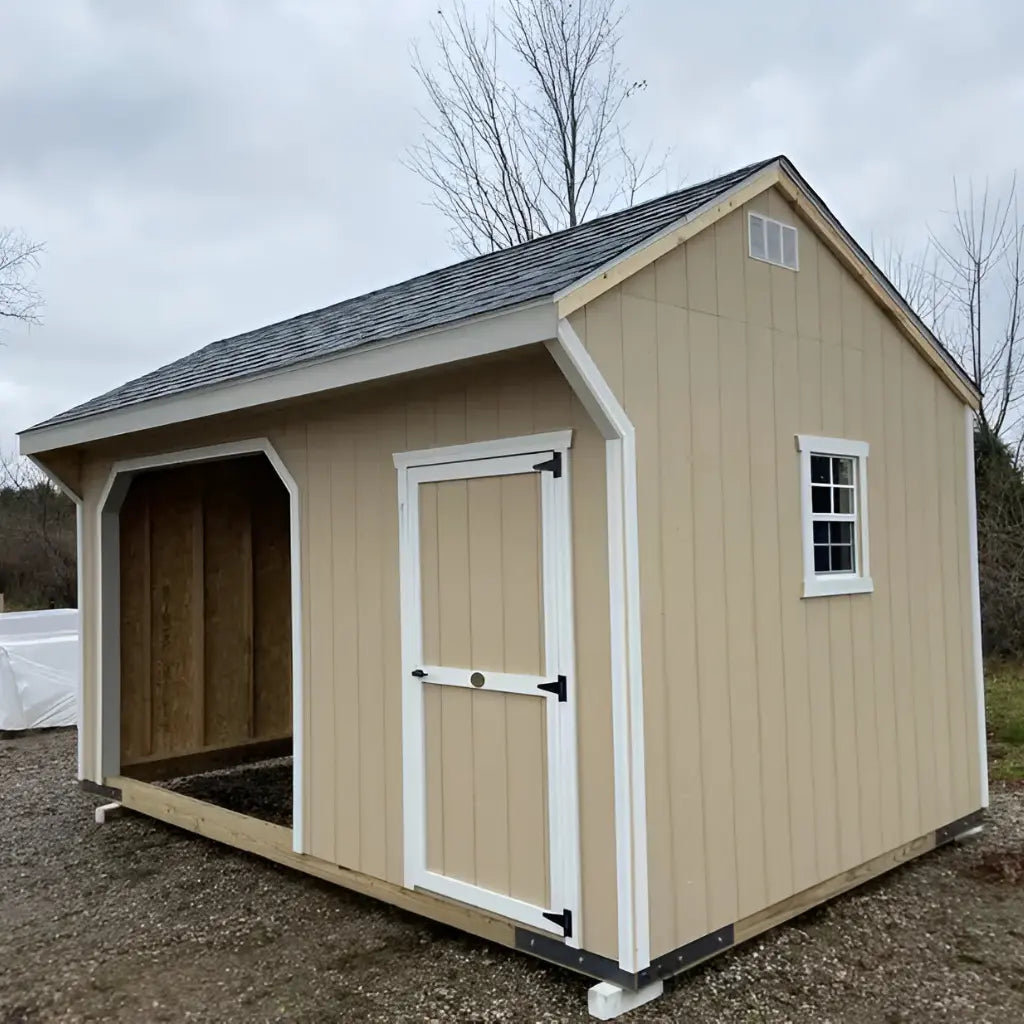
275 843
158 768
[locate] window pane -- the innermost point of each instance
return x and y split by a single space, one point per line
819 469
789 247
820 499
821 559
842 471
842 558
821 533
773 235
842 500
757 238
841 533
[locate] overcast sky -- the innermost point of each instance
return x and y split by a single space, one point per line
200 167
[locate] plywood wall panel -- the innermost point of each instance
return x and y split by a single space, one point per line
205 624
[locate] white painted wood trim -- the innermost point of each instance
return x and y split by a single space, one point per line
108 692
487 899
499 682
628 749
976 652
767 174
858 582
507 329
565 713
474 469
414 812
557 440
501 457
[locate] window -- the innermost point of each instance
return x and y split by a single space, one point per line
834 488
773 241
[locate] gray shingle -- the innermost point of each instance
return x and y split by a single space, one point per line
481 285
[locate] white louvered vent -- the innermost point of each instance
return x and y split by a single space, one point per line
773 242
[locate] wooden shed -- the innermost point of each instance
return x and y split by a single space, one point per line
553 573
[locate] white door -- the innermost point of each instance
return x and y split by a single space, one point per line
491 813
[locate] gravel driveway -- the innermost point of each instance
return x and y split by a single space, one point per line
135 921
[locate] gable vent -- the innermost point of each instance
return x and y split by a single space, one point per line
773 241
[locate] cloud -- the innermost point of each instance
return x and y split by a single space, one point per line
203 167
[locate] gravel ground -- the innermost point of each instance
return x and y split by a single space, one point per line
135 921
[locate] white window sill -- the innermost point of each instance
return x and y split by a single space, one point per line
831 586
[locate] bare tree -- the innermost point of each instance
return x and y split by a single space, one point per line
19 258
524 132
982 257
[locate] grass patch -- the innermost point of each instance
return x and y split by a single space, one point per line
1004 714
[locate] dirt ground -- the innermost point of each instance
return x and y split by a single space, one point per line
135 921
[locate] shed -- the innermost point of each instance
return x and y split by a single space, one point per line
553 573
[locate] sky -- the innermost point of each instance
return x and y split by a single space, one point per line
197 168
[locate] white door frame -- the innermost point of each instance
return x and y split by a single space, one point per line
485 459
107 756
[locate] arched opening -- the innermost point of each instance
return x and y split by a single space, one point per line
205 632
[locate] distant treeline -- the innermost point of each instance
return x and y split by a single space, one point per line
37 543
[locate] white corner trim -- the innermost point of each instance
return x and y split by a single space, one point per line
108 656
976 652
494 332
80 583
558 440
833 585
628 750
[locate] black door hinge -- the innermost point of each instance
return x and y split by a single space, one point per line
559 686
563 920
552 466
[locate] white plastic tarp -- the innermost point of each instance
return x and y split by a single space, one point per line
39 668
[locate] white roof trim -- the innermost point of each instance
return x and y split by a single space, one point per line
718 200
507 329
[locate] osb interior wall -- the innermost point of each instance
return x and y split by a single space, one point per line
787 739
205 609
340 452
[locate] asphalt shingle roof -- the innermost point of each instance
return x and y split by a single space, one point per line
484 284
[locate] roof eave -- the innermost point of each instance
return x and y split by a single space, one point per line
627 263
782 173
526 324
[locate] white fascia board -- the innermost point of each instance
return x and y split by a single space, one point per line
509 329
717 200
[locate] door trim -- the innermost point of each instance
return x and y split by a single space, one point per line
468 461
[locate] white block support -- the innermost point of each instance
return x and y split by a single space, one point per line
107 812
606 1001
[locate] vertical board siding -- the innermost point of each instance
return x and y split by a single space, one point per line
340 453
787 739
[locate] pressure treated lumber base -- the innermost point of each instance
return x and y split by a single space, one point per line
275 843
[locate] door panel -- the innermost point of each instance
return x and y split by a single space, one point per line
487 806
481 583
486 625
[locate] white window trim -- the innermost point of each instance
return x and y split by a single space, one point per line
858 582
765 258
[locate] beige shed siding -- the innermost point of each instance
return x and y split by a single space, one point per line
340 452
787 739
